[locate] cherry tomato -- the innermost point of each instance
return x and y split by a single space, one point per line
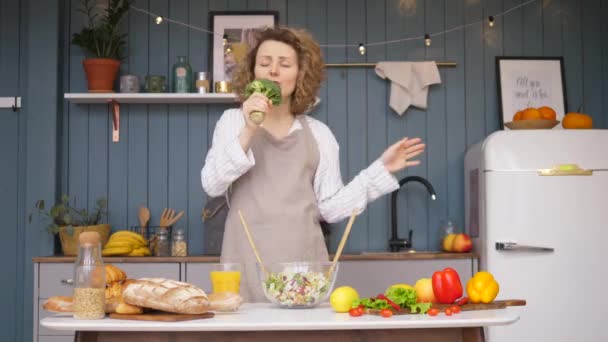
355 312
433 312
455 309
361 310
386 313
462 301
448 312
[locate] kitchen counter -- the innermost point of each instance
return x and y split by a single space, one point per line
212 259
272 323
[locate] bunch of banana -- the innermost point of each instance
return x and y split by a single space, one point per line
126 243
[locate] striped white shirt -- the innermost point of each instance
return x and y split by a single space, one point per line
226 162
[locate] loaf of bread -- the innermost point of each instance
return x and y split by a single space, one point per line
166 295
59 304
224 301
114 274
115 301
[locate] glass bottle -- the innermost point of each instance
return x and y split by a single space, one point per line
182 76
179 246
163 248
89 278
447 231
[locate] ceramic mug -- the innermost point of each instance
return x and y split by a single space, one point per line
155 84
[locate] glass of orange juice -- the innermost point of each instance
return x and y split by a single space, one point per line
226 277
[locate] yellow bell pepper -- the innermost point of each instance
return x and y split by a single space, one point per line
482 288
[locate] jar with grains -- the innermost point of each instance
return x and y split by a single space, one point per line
163 248
179 246
89 278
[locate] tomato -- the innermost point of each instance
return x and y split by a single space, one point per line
433 312
355 312
361 310
455 309
386 313
462 301
448 312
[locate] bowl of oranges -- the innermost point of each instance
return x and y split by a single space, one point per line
534 118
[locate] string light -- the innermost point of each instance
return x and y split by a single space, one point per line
361 49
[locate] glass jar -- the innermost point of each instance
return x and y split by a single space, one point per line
89 278
163 249
447 233
179 246
182 76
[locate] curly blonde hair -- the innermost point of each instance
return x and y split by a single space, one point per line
310 63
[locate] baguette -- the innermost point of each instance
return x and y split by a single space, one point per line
166 295
59 304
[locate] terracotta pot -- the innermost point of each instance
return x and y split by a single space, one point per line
101 74
69 243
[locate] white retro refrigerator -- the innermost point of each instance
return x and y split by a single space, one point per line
537 210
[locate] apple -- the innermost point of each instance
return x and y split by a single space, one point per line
424 291
462 243
448 241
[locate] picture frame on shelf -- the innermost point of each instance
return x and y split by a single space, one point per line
234 33
530 82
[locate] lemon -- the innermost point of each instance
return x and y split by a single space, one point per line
403 286
342 298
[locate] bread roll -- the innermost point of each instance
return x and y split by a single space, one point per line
166 295
114 274
59 304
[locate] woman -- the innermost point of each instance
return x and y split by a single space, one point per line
284 175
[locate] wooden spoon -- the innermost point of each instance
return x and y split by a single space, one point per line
144 218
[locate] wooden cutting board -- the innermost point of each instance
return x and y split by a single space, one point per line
161 316
497 304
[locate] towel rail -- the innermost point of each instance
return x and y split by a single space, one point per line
368 65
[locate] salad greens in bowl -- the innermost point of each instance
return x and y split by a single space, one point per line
297 284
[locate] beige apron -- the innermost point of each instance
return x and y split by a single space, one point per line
277 199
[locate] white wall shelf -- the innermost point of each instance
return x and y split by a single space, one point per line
115 99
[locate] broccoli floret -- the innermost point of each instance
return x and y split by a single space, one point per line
266 87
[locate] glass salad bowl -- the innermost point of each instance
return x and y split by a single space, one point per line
297 284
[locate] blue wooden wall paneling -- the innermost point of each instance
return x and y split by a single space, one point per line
513 29
604 43
118 154
456 134
281 7
474 83
337 97
137 124
396 24
416 126
41 109
158 161
378 211
573 53
592 61
317 25
533 28
177 172
197 128
10 143
552 30
356 111
257 5
493 47
436 127
296 13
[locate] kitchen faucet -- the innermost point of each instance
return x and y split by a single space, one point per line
395 243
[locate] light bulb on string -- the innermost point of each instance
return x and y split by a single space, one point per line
228 50
491 21
159 20
361 49
224 40
427 40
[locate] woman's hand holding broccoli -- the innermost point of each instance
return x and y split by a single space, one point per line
256 110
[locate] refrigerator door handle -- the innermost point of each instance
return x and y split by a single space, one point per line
512 246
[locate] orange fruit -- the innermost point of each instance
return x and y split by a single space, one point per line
531 114
577 121
518 115
547 113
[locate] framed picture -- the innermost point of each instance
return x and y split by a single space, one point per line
530 82
234 34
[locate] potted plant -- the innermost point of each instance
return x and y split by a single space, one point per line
69 222
102 42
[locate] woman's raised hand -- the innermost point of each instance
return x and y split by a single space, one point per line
399 155
256 102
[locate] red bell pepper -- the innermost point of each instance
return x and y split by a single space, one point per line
446 286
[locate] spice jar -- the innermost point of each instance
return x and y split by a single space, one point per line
163 248
179 246
89 278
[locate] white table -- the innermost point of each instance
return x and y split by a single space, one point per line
264 322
